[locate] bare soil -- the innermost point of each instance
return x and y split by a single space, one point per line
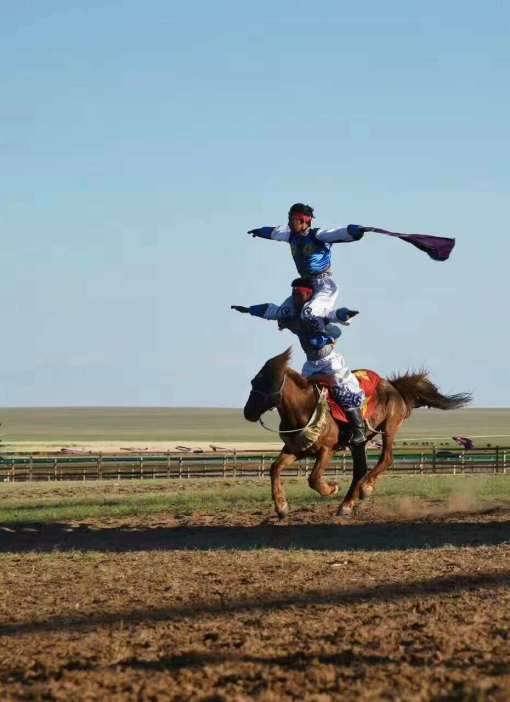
389 606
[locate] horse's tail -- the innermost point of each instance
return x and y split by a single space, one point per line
418 391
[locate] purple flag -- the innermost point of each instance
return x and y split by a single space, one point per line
464 442
437 247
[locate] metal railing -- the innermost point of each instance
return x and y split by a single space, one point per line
235 464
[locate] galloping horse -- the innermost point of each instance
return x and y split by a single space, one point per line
297 401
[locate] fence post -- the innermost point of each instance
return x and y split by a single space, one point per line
497 459
433 459
168 464
141 467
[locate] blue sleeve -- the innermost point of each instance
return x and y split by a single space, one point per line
262 232
258 310
355 231
266 311
340 315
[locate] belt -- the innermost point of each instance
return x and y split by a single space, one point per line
319 276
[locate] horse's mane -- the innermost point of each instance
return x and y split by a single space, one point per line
280 364
299 379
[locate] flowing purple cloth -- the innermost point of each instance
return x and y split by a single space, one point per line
437 247
464 442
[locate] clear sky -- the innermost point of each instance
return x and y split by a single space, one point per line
139 142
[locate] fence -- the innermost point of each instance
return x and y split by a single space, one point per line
39 467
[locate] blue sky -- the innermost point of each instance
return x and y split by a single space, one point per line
139 142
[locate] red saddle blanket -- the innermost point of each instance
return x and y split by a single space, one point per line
369 380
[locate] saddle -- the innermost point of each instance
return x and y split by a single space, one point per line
369 380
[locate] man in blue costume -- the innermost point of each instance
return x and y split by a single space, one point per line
318 340
311 250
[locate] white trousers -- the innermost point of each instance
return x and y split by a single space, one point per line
347 390
325 292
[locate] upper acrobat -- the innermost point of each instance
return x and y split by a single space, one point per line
311 250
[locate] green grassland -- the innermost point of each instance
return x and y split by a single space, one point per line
59 502
217 425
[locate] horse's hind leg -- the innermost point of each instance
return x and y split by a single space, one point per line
359 469
390 428
316 479
280 501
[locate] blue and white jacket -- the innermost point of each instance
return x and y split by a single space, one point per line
311 251
316 341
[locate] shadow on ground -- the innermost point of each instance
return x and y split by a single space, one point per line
452 585
487 528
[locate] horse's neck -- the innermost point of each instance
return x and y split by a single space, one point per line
297 404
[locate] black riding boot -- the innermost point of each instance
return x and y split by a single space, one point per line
357 441
357 425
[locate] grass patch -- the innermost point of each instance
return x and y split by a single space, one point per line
61 502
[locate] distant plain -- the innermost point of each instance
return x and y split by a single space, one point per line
160 425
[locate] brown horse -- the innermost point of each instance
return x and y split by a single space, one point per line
297 402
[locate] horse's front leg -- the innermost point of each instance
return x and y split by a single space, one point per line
316 479
280 501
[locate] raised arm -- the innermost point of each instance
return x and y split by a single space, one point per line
280 233
352 232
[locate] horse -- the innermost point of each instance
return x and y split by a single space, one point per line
298 402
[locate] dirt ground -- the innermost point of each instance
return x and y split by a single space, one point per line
390 606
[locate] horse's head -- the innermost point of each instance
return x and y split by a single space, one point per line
267 387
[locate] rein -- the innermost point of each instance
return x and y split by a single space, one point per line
292 431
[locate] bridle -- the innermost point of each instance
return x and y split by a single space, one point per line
278 393
269 395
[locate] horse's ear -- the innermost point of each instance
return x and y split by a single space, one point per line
282 361
278 364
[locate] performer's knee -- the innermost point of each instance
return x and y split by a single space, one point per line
346 398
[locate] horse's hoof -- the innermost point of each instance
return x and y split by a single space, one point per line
345 511
282 511
334 489
366 491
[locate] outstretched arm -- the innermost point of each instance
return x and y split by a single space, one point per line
342 315
352 232
327 325
281 233
266 311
